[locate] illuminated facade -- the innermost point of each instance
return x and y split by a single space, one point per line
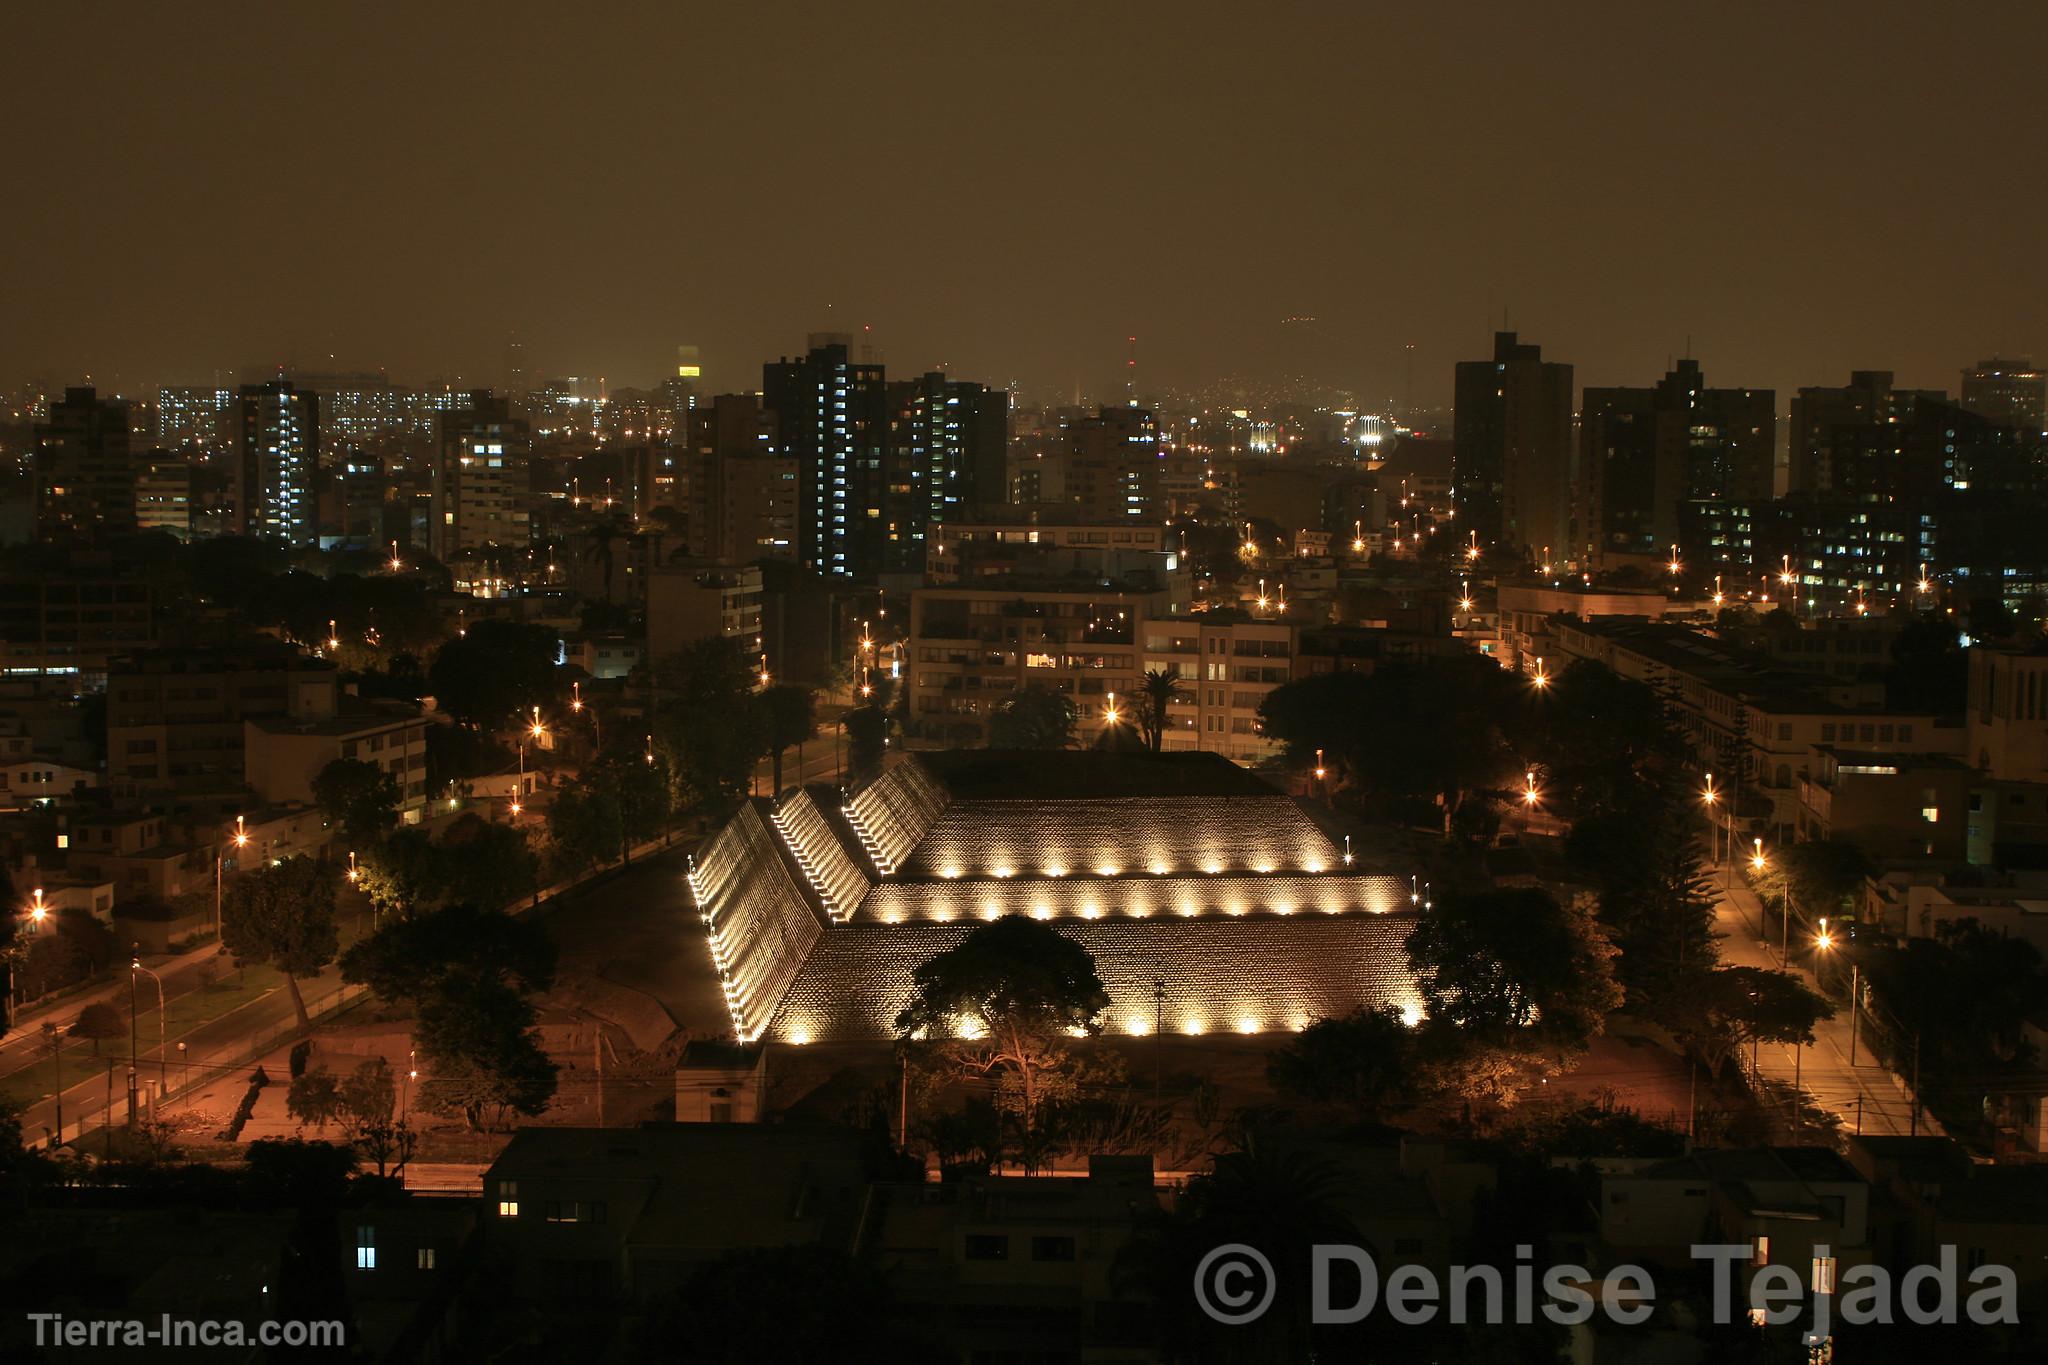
480 479
277 445
1210 901
833 414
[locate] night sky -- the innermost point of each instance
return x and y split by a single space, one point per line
1012 189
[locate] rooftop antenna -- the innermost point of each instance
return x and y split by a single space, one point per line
1131 373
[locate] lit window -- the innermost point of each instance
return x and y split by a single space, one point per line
426 1258
1763 1252
508 1199
1823 1274
366 1248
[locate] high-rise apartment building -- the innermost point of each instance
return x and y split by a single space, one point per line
480 479
2010 392
1836 429
195 417
833 414
1646 455
1512 436
85 467
738 490
276 461
1111 469
949 449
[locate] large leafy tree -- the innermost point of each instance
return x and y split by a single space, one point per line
1516 966
790 713
867 739
1032 717
446 950
711 728
358 798
494 671
487 863
1821 875
586 826
1435 728
483 1055
283 916
1002 1004
1360 1063
1725 1010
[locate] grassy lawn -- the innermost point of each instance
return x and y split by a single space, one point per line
188 1012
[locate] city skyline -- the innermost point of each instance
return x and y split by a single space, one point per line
1310 198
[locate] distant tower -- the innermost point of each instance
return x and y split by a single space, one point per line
1131 373
515 366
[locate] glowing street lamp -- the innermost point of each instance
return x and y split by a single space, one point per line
354 873
1540 679
1718 598
1109 715
1824 941
333 641
764 670
1925 586
1472 550
1320 770
1530 796
396 563
1358 537
1465 595
37 911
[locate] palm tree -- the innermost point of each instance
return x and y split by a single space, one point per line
1159 688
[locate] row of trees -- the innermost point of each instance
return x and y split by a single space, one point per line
1515 985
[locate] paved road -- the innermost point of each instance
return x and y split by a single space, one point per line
1867 1098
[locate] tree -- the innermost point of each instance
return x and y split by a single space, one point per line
314 1098
402 873
1516 965
1031 718
791 718
449 949
1360 1062
1003 1003
488 863
495 670
283 916
1821 875
640 791
1157 692
867 739
1410 728
1726 1010
483 1055
585 827
98 1022
364 1105
711 729
358 798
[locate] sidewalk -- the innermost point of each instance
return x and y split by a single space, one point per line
1867 1098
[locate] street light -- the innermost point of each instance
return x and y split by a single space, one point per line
1109 715
1320 770
1825 941
162 1022
1540 679
241 840
37 911
1529 795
